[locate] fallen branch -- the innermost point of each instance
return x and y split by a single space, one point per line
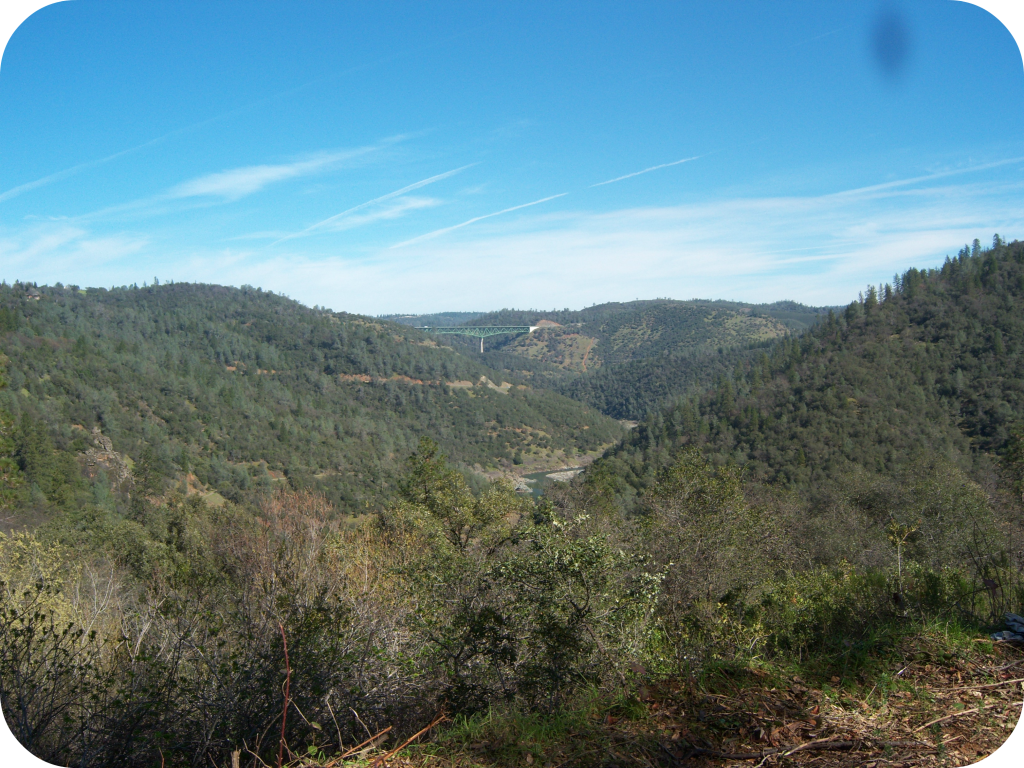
967 712
820 745
988 685
441 717
357 747
812 745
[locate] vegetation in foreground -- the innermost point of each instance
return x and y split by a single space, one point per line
556 631
687 600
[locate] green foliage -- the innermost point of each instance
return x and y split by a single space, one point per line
47 674
8 319
832 610
818 498
638 354
1014 457
515 606
437 320
442 493
916 373
639 329
10 474
699 526
244 389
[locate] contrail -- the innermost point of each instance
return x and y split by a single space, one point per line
646 170
819 37
927 177
15 191
437 232
380 199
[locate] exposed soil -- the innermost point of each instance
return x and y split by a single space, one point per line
931 713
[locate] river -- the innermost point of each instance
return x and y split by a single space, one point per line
538 481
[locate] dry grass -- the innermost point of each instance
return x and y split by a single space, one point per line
935 709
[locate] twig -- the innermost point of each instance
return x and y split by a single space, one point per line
287 687
810 746
441 717
611 661
356 748
255 755
341 744
988 685
967 712
667 751
360 721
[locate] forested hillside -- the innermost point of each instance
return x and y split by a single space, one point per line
437 320
634 389
244 388
741 578
627 359
931 365
612 333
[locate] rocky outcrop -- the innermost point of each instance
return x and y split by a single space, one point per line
102 456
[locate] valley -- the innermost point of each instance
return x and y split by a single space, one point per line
634 510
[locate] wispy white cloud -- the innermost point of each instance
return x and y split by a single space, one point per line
860 191
79 167
817 249
437 232
75 169
59 252
331 221
646 170
393 209
239 182
230 185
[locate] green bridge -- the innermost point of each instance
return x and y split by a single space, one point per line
480 331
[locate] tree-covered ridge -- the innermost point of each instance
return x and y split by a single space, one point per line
435 320
796 316
623 332
932 364
141 621
243 386
633 389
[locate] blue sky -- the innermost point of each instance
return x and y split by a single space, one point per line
417 157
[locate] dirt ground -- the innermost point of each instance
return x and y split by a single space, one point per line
937 710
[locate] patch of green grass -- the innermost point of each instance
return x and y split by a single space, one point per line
506 737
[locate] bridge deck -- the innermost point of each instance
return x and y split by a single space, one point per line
480 330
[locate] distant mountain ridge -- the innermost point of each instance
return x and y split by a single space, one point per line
242 388
626 358
436 320
620 332
932 365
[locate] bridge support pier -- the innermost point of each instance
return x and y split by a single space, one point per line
481 331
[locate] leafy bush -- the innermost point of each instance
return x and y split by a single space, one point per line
513 609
